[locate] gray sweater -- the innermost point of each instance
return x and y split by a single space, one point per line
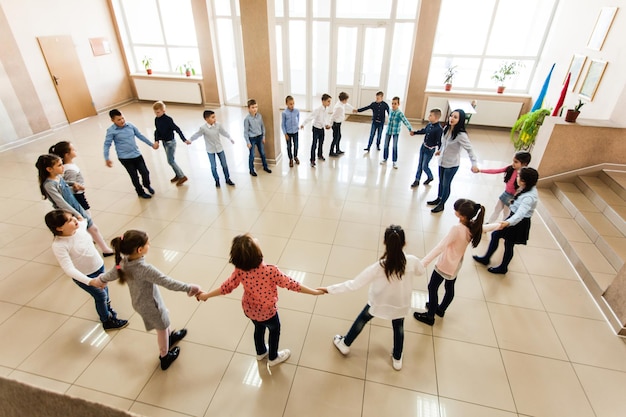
143 280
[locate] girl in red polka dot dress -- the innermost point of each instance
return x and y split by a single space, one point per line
260 294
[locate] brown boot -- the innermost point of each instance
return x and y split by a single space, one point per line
182 180
290 163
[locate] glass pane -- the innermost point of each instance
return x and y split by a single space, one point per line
466 70
321 8
142 21
400 56
364 9
297 8
346 55
462 27
406 9
278 8
160 62
228 59
222 7
297 56
517 82
178 22
279 52
373 57
185 56
320 69
528 20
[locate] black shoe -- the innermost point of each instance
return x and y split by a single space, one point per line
150 189
332 154
253 173
171 356
378 148
144 195
177 336
229 182
106 255
481 259
366 149
438 312
497 270
423 317
114 324
217 184
269 171
428 181
321 157
312 164
415 184
340 152
434 202
437 208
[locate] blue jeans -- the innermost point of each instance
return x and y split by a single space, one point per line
258 142
361 321
222 158
100 296
445 181
433 298
170 151
273 325
377 128
293 138
394 156
425 156
317 143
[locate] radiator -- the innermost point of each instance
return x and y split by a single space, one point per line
170 91
488 112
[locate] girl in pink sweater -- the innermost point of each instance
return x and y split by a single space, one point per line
451 248
520 160
260 294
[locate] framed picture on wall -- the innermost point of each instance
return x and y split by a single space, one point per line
592 79
575 68
601 29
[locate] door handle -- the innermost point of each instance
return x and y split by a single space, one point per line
56 79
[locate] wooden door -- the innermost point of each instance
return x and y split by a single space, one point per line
67 76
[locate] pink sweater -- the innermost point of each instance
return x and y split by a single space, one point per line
510 184
259 289
451 248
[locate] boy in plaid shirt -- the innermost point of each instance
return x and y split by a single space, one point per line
393 130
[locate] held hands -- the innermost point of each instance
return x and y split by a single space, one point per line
321 290
98 283
327 126
188 142
412 133
503 225
202 296
155 145
78 187
475 170
355 111
193 290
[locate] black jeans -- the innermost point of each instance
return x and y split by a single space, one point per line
433 298
134 165
273 325
361 321
318 138
334 145
293 139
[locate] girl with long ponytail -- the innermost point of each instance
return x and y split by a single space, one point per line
391 284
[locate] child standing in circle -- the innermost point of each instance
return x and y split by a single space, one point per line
339 115
54 188
452 248
260 294
143 280
520 160
71 172
254 133
73 248
393 131
211 132
378 108
432 142
290 123
320 121
391 284
164 132
516 228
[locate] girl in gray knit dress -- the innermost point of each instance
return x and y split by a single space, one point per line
143 280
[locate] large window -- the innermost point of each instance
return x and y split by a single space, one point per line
161 30
477 38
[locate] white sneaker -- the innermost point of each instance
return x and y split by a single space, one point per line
261 357
341 345
383 162
283 355
395 166
397 363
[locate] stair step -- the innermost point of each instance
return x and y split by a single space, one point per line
616 180
599 193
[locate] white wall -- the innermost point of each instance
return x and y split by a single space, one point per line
573 24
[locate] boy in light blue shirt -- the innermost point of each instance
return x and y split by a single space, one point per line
254 133
211 132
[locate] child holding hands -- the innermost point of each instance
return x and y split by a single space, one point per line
143 280
260 294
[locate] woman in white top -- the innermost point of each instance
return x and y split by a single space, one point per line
389 297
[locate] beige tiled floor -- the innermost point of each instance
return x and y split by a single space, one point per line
531 343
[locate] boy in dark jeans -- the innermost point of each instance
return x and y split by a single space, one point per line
378 107
432 142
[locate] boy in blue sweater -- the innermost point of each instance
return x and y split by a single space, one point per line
432 142
123 135
378 107
164 132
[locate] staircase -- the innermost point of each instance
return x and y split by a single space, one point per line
587 216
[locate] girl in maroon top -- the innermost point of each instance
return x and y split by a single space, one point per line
260 294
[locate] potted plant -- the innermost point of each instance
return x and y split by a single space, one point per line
525 130
572 114
186 68
507 70
449 76
147 64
